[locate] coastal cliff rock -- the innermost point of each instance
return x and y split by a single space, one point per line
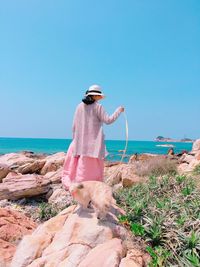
76 238
13 226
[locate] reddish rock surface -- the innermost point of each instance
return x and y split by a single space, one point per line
13 226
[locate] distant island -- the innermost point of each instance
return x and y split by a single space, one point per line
167 139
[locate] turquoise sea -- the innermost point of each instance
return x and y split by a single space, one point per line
114 147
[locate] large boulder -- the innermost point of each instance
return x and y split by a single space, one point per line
54 176
7 250
185 168
18 186
32 167
135 258
60 198
122 174
74 238
129 177
107 254
13 226
197 156
188 162
53 162
186 158
14 160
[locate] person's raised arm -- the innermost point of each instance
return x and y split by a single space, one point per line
104 117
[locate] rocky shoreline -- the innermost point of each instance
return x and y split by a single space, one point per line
28 179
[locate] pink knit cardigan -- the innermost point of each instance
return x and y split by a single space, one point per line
88 136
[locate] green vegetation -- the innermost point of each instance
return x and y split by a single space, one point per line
47 211
165 213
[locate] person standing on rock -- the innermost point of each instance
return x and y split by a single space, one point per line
85 156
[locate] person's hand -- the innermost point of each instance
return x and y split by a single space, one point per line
121 109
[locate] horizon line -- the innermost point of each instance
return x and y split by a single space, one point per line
52 138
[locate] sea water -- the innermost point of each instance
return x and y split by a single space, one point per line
114 147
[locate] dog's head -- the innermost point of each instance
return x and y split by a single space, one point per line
75 188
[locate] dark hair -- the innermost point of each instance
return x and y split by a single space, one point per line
88 100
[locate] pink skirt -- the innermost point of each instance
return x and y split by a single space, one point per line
81 168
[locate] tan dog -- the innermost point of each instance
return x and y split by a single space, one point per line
93 192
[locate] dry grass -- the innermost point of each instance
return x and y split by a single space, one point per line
156 166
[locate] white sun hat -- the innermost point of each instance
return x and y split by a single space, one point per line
94 90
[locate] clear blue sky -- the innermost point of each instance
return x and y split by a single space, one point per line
145 55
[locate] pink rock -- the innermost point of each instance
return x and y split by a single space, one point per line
185 158
196 146
61 198
53 162
4 170
17 159
197 156
127 262
32 167
54 176
70 239
7 251
185 168
129 177
107 255
141 157
113 174
182 168
13 225
135 258
15 187
10 175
